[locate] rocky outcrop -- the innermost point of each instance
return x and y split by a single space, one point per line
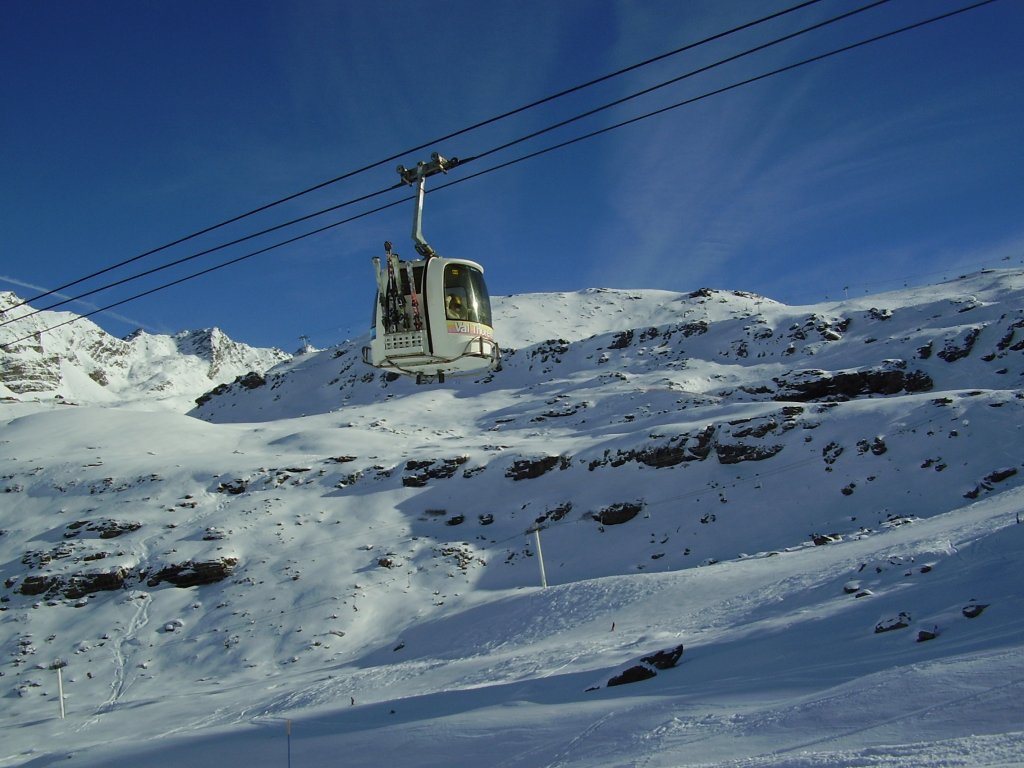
890 379
731 443
644 668
901 621
83 584
618 513
428 470
250 381
734 453
959 347
528 469
105 529
75 586
23 376
194 573
987 483
679 449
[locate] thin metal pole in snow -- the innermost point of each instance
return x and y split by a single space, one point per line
60 692
288 731
58 665
540 558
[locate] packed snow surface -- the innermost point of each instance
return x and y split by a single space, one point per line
322 565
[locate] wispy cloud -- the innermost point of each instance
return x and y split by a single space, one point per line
84 305
746 190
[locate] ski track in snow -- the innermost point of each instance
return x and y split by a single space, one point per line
122 674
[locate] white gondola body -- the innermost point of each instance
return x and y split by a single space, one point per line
455 335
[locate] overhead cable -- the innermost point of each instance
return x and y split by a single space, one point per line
431 142
184 259
709 94
691 73
538 153
534 134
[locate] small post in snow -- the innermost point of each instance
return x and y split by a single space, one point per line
540 557
58 665
288 733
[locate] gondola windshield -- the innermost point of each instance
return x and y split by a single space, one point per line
466 294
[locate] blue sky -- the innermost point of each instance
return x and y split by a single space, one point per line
130 124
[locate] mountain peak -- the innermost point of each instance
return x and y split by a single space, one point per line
82 363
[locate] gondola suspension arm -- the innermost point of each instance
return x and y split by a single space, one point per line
418 176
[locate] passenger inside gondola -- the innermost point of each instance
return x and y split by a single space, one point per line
456 310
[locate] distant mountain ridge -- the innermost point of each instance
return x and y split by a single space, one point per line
82 363
726 346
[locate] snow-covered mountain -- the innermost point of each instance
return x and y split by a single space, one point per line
82 363
819 506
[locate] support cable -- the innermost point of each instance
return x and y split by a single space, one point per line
184 259
679 78
701 97
462 161
607 129
431 142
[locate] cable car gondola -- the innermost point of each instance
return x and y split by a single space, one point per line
431 315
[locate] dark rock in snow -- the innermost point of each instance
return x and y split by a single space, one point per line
38 585
619 513
845 385
679 449
234 488
736 452
83 584
431 470
664 659
194 574
902 621
248 381
974 610
75 586
1000 474
987 482
528 469
622 340
556 513
632 675
958 349
107 529
251 380
646 667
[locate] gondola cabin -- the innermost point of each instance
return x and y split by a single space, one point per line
431 318
432 315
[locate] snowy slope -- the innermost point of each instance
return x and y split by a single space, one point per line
821 504
706 346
